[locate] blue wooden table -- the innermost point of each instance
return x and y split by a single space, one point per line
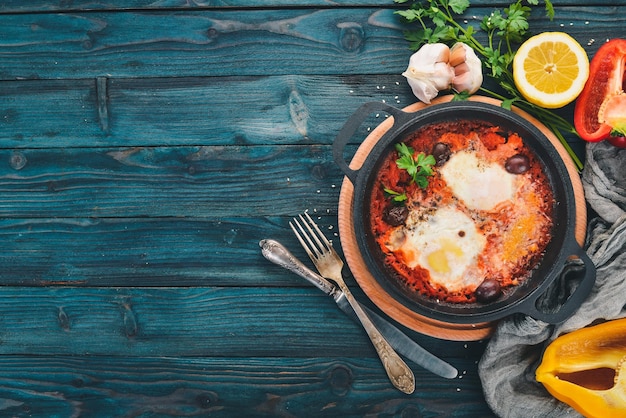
145 149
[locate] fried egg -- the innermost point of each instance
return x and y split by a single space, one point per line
445 242
480 184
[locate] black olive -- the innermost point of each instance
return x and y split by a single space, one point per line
488 291
396 215
517 164
441 152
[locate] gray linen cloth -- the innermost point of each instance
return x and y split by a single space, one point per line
507 368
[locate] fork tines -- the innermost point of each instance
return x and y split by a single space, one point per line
314 242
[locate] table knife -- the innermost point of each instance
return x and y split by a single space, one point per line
278 254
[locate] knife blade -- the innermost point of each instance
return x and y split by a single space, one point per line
275 252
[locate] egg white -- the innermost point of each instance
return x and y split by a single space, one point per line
480 184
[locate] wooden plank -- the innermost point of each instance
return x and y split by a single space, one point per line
147 251
193 111
183 321
228 386
194 182
15 6
217 42
19 6
173 322
45 113
188 111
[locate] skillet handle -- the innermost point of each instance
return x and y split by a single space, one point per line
351 126
581 264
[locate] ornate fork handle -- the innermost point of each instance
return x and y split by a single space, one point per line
399 373
329 264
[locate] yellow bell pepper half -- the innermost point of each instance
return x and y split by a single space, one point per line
586 369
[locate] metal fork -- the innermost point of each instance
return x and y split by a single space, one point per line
329 264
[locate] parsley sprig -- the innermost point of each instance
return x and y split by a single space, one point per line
438 21
419 167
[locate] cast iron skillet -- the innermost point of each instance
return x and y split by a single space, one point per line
564 261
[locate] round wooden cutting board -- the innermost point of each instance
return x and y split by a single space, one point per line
394 309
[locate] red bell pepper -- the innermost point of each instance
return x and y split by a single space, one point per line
600 111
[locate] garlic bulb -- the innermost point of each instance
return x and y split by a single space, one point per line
435 67
429 72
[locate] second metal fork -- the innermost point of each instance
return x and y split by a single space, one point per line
329 264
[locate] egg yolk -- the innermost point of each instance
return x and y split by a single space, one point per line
438 259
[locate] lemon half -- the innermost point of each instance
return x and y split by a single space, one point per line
550 69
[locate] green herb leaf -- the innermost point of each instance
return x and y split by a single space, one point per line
549 9
422 182
516 22
411 15
419 168
395 196
506 104
438 18
404 150
425 163
461 97
459 6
